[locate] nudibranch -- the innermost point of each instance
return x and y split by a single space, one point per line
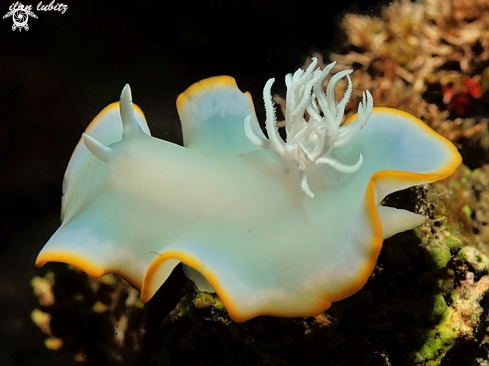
274 227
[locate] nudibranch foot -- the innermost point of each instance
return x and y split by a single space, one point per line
312 142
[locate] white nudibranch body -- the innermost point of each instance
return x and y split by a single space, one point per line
311 142
228 203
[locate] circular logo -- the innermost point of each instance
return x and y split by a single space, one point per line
20 16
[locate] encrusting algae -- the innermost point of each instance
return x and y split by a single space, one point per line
426 302
459 251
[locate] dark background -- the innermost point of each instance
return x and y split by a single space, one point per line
57 76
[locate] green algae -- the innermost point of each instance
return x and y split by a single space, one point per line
458 304
476 259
